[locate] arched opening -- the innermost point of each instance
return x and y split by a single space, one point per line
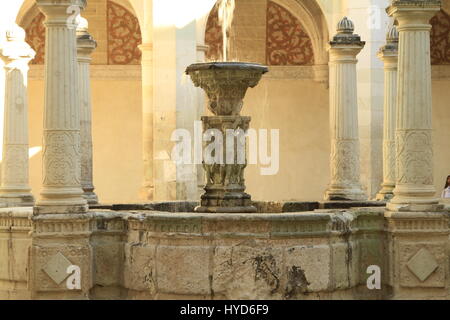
290 34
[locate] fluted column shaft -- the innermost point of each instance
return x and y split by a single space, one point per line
389 55
344 131
16 54
414 189
61 191
85 47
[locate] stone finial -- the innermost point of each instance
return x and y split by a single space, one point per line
82 24
15 47
15 33
345 26
391 47
392 35
84 39
345 35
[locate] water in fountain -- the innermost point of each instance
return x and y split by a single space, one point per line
226 14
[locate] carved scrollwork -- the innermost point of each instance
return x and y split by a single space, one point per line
440 38
35 37
124 36
414 157
287 42
15 164
214 36
345 161
61 156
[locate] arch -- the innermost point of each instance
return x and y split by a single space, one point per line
312 18
123 32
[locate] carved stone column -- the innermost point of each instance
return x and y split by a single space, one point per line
345 167
85 47
389 55
147 120
414 189
16 54
62 192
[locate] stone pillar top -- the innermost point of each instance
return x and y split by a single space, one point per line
345 35
61 12
15 48
85 42
391 47
413 14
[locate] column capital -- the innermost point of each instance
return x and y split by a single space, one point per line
389 52
346 42
86 44
15 52
61 12
413 14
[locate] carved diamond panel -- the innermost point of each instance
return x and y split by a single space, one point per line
423 264
56 268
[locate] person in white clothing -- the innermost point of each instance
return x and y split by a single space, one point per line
446 192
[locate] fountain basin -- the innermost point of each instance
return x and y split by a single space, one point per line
226 83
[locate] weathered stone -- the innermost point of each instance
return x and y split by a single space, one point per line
308 269
140 268
225 85
250 270
183 270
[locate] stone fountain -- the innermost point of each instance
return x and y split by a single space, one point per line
226 84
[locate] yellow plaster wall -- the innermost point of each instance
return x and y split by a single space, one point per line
117 138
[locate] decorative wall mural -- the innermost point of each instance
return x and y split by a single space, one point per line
440 38
287 42
213 36
35 37
124 36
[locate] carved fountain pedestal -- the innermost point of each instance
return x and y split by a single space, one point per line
226 84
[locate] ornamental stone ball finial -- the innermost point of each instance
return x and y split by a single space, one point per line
345 26
392 35
82 23
345 35
15 33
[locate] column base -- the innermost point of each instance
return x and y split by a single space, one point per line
345 194
386 193
17 200
414 207
217 200
90 197
415 199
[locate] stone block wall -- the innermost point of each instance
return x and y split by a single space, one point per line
160 255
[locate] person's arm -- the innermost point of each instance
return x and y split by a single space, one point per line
443 194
